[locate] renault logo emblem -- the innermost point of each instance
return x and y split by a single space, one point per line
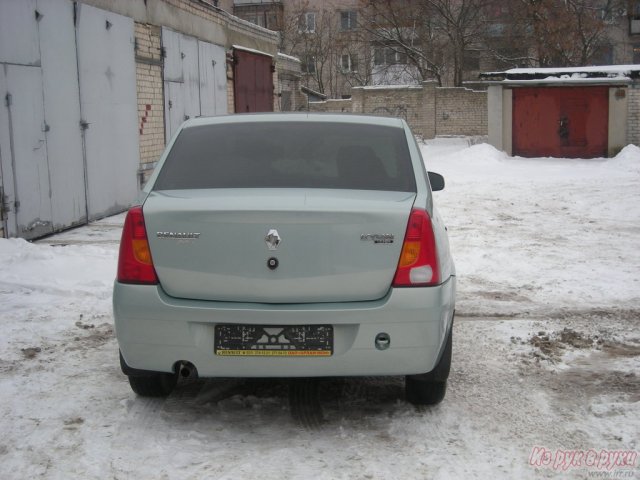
272 239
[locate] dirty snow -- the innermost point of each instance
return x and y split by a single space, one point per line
546 350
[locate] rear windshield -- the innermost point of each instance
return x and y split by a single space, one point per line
289 154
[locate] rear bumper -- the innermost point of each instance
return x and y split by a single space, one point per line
155 331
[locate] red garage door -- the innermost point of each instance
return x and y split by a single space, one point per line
253 82
571 122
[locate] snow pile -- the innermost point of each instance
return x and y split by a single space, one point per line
628 159
41 284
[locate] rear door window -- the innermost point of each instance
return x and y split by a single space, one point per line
289 155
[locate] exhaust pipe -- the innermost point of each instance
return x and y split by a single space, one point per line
188 370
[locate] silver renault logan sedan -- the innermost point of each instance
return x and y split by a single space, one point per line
287 245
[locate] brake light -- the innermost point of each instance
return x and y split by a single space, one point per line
135 264
418 264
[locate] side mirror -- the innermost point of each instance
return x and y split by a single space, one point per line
437 181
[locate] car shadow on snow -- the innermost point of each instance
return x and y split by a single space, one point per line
309 403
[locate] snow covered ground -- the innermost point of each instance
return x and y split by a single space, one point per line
546 351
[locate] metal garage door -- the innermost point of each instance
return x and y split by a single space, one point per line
195 81
253 82
569 122
41 159
107 73
26 156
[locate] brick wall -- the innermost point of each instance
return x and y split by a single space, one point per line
288 97
276 88
460 111
394 101
429 110
633 114
231 100
150 96
332 105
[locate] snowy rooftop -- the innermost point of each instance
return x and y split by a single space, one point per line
251 50
607 73
288 57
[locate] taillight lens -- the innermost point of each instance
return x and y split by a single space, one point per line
135 264
418 264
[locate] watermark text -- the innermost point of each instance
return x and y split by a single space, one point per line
601 460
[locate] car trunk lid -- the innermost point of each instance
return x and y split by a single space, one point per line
334 245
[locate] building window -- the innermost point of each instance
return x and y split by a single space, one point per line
349 63
636 53
634 17
307 22
388 56
348 20
308 64
256 19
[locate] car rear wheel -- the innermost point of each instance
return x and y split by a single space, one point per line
424 393
155 385
148 383
430 388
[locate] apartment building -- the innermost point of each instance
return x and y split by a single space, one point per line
342 44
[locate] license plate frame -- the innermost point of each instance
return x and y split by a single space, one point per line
240 340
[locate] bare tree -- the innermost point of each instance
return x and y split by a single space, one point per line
405 42
434 35
566 32
463 23
314 35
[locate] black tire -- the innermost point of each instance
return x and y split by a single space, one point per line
155 385
429 388
419 392
305 402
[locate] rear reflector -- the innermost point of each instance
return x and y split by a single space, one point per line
418 264
135 264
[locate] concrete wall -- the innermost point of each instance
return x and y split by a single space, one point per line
429 110
618 107
195 18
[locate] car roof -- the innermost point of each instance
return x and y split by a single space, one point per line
295 117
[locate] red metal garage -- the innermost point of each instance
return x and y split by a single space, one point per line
575 112
253 81
570 122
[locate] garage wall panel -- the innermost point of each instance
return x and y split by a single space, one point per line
62 113
213 79
24 129
105 44
195 80
19 32
564 122
253 82
182 79
6 155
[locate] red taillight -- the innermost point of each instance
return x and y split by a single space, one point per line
134 263
418 264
